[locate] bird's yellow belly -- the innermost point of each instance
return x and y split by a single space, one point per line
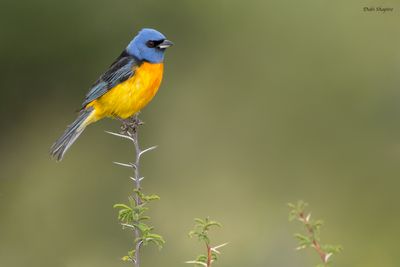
130 96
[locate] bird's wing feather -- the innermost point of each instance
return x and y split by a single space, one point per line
119 71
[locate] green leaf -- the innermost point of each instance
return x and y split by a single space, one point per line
142 227
135 217
121 206
335 249
193 233
146 198
202 258
292 215
204 238
199 221
303 240
132 201
156 236
151 198
131 253
153 238
126 258
213 223
214 256
142 218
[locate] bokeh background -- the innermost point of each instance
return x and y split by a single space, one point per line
263 103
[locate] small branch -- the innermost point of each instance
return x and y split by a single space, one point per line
131 128
315 244
129 131
131 215
200 231
209 255
312 232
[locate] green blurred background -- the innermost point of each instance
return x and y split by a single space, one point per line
263 103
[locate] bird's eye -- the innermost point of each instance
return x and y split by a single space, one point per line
151 44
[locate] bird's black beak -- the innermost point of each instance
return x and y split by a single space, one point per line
165 44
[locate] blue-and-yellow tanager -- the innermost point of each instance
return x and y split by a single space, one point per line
126 87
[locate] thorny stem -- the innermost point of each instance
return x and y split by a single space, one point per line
315 243
130 128
209 255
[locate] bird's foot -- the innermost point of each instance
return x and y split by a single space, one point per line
130 125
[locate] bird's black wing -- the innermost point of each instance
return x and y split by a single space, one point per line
119 71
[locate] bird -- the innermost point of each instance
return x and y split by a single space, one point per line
124 89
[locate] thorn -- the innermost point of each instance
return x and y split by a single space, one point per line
121 135
327 256
147 150
130 165
140 243
196 262
217 247
134 179
127 225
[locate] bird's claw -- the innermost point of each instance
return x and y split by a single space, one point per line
129 126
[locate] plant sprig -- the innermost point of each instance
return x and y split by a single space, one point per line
200 231
132 215
311 237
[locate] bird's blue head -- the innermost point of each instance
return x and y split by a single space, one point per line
149 45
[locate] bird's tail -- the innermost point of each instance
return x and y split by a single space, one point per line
73 131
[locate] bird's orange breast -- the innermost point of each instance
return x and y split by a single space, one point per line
130 96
